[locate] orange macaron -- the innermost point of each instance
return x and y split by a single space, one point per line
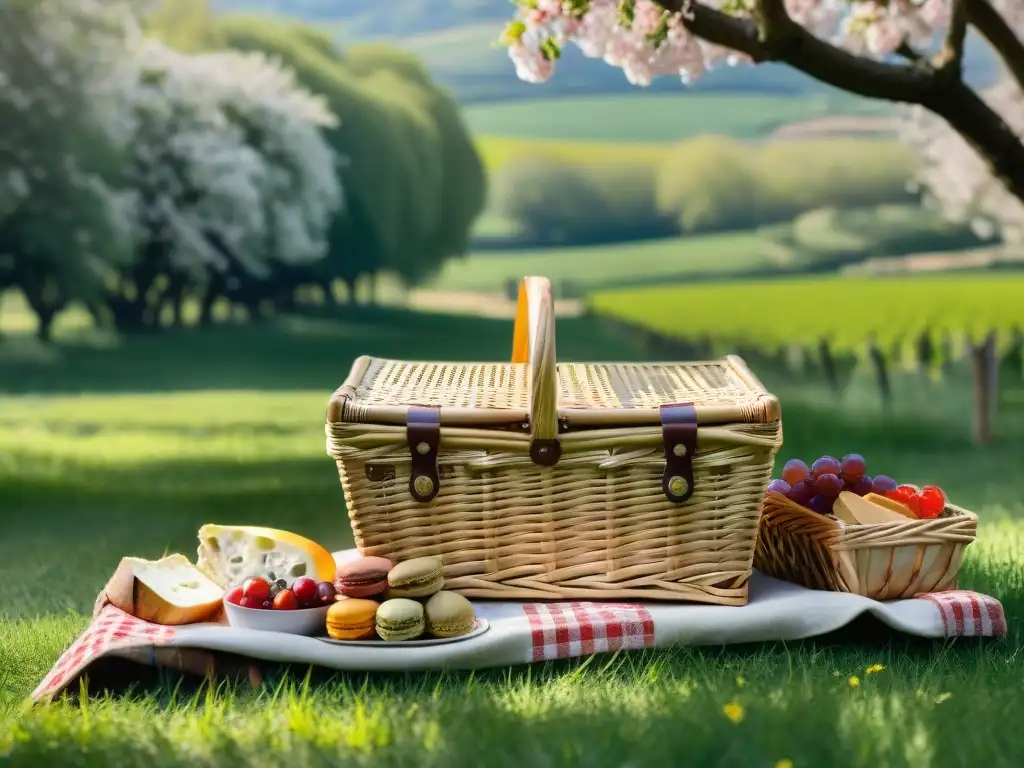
352 619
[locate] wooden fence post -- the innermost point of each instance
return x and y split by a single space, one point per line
984 376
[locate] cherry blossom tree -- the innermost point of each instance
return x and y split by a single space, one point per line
907 51
957 179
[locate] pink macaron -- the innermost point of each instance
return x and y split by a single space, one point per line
364 577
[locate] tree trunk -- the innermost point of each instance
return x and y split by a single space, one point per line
881 370
983 370
828 365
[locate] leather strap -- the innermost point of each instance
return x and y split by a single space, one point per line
423 433
679 433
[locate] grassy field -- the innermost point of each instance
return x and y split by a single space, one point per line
777 314
610 265
123 447
656 117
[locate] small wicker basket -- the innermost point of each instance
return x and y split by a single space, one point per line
541 481
884 562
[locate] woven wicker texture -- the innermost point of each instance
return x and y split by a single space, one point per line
884 562
597 525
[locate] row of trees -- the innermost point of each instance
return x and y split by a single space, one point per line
705 184
149 160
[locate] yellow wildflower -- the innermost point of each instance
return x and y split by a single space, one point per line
854 681
874 668
784 763
740 682
734 711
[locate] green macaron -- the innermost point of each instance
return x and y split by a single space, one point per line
400 619
419 577
449 614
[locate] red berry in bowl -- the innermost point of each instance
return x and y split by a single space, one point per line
286 601
828 485
326 592
305 590
932 501
256 588
826 465
853 467
234 596
251 602
794 471
779 486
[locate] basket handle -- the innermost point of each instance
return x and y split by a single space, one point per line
533 342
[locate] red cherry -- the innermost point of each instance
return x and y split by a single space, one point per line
306 591
286 601
256 588
251 602
234 596
932 502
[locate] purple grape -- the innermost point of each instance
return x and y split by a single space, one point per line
862 487
821 505
795 471
828 486
882 484
779 486
853 466
802 493
826 465
326 592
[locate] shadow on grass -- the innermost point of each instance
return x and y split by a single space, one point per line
288 353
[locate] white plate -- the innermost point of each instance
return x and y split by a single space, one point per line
479 627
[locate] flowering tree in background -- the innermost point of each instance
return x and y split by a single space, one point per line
59 78
908 51
228 174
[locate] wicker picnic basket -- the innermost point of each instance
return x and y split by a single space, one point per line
537 480
884 562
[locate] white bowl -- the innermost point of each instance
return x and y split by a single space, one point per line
301 621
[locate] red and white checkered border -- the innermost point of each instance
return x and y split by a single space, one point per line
111 629
968 614
568 630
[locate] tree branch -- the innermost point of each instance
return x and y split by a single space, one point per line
950 59
993 27
907 52
948 97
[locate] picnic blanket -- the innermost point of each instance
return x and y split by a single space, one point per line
521 633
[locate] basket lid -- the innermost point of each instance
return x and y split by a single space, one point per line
589 394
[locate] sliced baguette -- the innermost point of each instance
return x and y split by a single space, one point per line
170 591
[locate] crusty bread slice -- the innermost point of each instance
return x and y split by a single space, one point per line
169 591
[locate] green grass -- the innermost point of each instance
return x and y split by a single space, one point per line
610 265
656 117
123 447
846 310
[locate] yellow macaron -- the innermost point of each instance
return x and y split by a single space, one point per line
352 619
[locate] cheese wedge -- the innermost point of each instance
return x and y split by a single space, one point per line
851 508
892 504
230 554
170 591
